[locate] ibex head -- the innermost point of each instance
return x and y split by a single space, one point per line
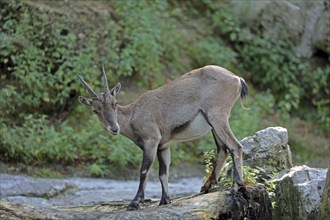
104 105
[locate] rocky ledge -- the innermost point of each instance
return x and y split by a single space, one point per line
218 204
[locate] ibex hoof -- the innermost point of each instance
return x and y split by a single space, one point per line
245 193
165 201
205 189
233 189
238 189
134 205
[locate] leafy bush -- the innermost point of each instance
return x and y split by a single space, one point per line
38 142
264 61
273 66
211 51
39 66
141 43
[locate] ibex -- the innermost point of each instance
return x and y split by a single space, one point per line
181 110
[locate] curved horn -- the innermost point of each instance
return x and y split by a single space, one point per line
89 89
106 85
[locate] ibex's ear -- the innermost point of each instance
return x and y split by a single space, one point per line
85 101
115 90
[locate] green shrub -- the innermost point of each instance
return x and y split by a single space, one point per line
39 60
39 142
294 84
40 67
143 42
273 66
36 142
97 170
211 50
48 173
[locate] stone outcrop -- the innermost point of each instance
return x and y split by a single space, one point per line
298 193
268 149
325 203
298 189
214 205
306 23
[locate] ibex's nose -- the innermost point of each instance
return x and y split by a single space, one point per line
114 130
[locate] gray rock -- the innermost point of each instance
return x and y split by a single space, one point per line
78 191
304 22
325 204
12 185
322 31
298 193
218 204
268 149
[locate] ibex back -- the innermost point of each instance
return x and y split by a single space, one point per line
182 110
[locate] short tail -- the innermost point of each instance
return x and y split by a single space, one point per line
244 92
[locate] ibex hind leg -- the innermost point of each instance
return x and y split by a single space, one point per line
218 164
223 132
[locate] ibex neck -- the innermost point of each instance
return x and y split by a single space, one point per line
124 116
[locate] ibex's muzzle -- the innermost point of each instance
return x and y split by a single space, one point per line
114 130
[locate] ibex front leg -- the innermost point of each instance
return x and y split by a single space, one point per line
164 159
149 155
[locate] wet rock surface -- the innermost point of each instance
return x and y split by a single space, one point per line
82 191
217 204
